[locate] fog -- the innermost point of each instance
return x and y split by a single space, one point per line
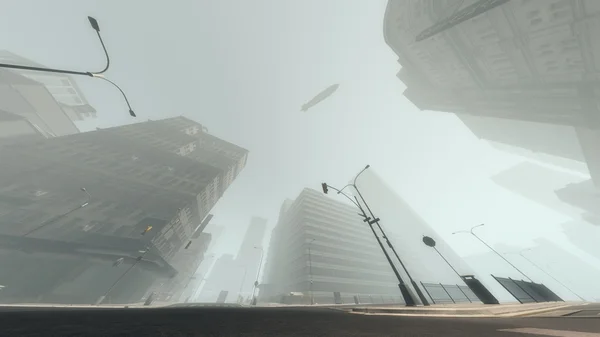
239 72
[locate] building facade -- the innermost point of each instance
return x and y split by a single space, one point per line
406 228
62 87
251 253
583 236
583 195
538 183
227 276
39 114
320 247
496 63
529 60
106 195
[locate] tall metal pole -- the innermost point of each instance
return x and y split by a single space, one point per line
387 240
545 272
492 249
98 74
408 297
242 285
310 277
262 253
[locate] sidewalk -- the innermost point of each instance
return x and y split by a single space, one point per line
467 310
84 306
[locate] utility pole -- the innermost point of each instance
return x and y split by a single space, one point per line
387 240
545 272
240 297
408 297
492 249
262 253
310 277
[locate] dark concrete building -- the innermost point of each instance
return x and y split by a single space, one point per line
74 205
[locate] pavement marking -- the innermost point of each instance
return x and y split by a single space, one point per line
554 333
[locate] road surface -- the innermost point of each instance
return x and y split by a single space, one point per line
309 322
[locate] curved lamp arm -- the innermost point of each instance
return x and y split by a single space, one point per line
122 93
356 177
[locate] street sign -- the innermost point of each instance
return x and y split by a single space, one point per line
428 241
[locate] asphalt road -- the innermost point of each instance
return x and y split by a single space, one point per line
246 322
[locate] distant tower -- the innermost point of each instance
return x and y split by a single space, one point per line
248 257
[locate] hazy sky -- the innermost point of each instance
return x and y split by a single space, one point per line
243 69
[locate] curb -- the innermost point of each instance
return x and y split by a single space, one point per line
538 311
488 312
418 312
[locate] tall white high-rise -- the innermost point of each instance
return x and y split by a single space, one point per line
320 247
405 229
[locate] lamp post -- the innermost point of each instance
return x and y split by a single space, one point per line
98 74
262 253
387 240
409 299
60 216
545 272
490 247
138 259
240 297
310 277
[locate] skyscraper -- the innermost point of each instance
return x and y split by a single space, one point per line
100 196
227 275
569 268
538 183
583 195
551 139
583 236
405 228
250 253
522 60
321 247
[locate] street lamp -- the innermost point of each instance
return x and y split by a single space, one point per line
98 74
310 277
409 298
240 297
138 259
52 220
387 240
490 247
262 253
545 272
